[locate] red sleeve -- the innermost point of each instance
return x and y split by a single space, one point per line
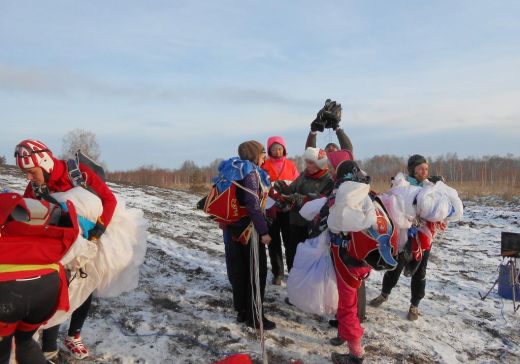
102 191
295 172
29 193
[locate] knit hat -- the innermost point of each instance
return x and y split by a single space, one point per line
338 157
317 156
251 151
413 162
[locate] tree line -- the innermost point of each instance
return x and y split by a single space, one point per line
485 172
478 175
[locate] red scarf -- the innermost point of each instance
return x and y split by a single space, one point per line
316 175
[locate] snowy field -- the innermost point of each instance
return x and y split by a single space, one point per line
182 310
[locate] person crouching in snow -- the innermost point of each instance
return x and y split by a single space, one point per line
279 168
418 175
251 195
48 174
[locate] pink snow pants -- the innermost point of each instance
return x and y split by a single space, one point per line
349 326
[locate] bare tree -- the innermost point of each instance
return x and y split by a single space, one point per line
80 139
3 161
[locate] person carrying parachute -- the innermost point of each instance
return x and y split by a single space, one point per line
47 174
106 256
237 202
420 205
363 237
34 236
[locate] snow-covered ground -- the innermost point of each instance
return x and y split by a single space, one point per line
182 310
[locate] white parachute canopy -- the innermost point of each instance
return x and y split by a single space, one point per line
353 209
112 264
311 285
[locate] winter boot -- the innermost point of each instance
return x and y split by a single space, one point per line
336 341
267 324
346 359
379 300
334 323
76 346
413 313
241 316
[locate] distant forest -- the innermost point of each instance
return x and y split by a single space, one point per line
472 176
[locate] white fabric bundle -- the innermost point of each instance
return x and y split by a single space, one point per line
112 264
312 208
353 210
439 202
312 283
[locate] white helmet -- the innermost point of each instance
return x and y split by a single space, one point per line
33 153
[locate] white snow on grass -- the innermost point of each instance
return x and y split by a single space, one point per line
182 311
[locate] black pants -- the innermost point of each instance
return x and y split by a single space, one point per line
31 301
298 234
418 284
279 225
50 335
239 262
362 302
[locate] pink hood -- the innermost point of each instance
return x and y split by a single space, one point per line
276 139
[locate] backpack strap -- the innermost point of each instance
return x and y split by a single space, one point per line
75 176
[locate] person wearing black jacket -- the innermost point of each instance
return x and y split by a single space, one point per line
238 250
313 183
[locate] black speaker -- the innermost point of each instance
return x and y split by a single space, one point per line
510 245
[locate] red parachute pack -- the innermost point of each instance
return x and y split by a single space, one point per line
377 247
26 235
223 207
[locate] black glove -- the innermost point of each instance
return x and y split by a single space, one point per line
279 185
435 179
96 232
331 113
318 124
296 199
334 124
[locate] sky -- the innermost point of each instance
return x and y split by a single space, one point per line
161 82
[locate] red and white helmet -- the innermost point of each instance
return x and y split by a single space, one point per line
33 153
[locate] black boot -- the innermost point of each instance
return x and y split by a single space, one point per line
267 324
338 358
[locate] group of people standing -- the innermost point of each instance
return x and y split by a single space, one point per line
325 170
271 191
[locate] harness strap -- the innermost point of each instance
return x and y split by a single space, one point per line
75 175
342 270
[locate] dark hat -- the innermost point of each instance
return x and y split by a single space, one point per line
251 150
350 171
332 145
413 162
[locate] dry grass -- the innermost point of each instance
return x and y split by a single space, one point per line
469 190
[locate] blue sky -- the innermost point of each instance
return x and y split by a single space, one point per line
160 82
